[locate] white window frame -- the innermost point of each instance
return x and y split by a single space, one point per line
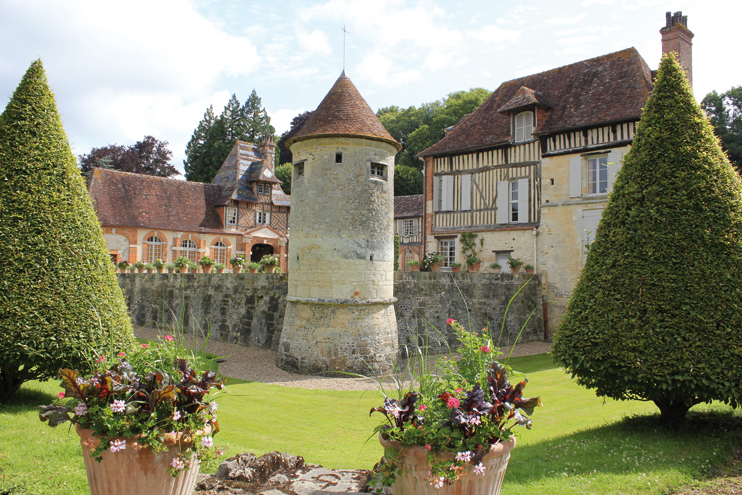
220 252
506 199
447 248
597 175
154 245
189 249
230 216
378 170
524 126
578 173
409 226
513 203
263 217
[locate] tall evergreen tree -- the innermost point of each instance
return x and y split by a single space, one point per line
256 119
657 312
59 297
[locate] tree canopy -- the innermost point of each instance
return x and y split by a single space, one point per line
296 123
60 302
657 311
214 137
283 173
148 156
725 112
419 128
407 181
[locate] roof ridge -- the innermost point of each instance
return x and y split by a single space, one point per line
148 177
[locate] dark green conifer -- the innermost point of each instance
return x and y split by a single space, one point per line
59 297
657 312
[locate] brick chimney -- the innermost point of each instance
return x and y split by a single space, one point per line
676 37
268 150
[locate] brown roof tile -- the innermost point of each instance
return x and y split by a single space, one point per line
524 97
344 112
123 199
609 88
408 206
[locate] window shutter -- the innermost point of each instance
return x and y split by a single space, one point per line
447 191
615 158
436 193
523 212
466 192
502 202
519 127
575 177
268 219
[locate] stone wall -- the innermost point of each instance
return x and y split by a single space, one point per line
249 308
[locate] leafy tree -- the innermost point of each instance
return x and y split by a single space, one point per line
419 128
284 154
407 181
148 156
657 311
283 173
59 298
725 112
214 137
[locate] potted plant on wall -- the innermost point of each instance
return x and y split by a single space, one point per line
453 435
495 267
455 267
141 268
123 266
219 267
132 268
529 269
159 265
145 419
433 261
206 263
170 267
469 249
413 265
149 267
473 263
237 263
192 267
181 263
514 264
253 266
269 263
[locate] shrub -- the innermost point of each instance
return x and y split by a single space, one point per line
269 260
58 291
657 312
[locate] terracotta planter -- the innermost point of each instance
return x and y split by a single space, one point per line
413 268
412 480
150 270
220 270
269 268
142 270
252 270
474 268
206 268
496 270
435 267
171 270
529 271
236 268
183 269
136 469
161 270
455 269
514 270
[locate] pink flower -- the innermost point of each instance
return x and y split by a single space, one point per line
145 346
117 445
176 415
475 420
169 338
422 407
449 321
485 349
479 469
464 456
81 409
60 395
458 390
427 446
207 442
118 406
453 402
177 464
100 359
439 482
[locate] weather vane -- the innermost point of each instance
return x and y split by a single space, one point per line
344 33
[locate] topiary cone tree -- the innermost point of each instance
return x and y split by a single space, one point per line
657 312
59 297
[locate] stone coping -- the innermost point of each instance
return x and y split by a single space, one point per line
342 302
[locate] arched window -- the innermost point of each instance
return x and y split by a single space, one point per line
220 252
189 249
523 126
154 249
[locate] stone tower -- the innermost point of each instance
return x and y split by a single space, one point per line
340 311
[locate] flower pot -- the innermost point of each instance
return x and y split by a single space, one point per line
171 270
220 270
413 268
206 268
514 270
474 268
150 270
161 270
496 270
252 270
142 270
435 267
456 269
236 268
529 271
136 469
183 269
411 480
269 268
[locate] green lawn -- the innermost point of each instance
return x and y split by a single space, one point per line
579 443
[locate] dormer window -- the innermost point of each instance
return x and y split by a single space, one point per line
231 216
523 127
264 188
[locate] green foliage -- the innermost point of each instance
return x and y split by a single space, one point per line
214 137
59 294
396 253
656 314
418 128
725 112
269 260
284 172
407 181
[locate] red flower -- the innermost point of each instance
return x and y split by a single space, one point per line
60 395
449 321
169 338
453 402
484 349
145 346
422 407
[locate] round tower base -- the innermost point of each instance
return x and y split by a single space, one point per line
326 335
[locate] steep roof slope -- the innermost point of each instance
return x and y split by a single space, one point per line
243 167
344 112
408 206
609 88
143 201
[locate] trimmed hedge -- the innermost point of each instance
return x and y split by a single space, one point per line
59 296
657 312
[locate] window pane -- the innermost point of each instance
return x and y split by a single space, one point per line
220 252
514 202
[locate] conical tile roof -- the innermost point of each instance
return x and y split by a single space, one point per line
344 112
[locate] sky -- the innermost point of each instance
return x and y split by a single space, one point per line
124 70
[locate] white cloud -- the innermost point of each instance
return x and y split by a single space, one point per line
281 119
314 43
562 20
493 34
577 40
587 3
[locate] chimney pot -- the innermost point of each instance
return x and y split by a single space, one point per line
676 37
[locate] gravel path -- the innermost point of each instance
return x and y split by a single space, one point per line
259 365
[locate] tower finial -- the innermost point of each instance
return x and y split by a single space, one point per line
344 33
